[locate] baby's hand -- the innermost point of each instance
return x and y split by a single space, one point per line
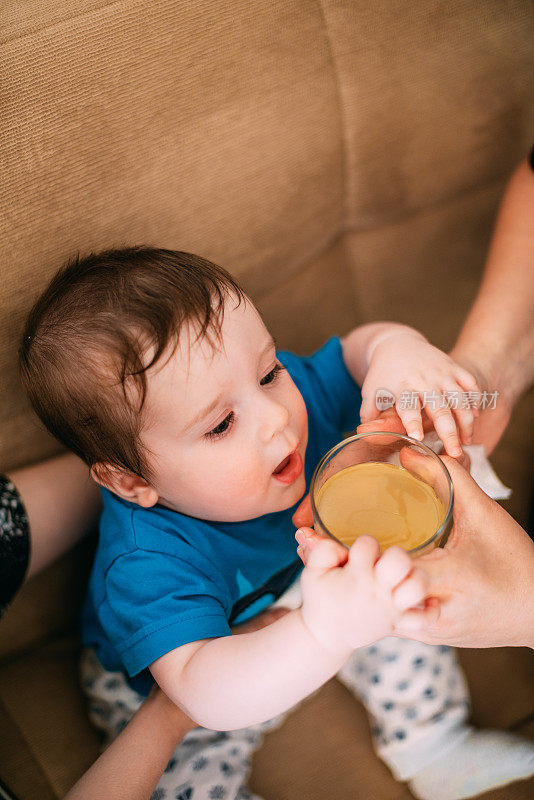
352 598
416 373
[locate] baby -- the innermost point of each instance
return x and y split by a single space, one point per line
157 370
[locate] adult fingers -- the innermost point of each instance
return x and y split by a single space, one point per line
426 468
303 515
440 572
388 420
469 498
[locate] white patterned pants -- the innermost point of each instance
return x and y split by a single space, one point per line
414 693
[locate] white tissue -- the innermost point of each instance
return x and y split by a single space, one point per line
481 470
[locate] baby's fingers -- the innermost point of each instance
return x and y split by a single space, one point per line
326 555
363 553
418 619
411 591
464 412
408 407
393 567
446 429
467 382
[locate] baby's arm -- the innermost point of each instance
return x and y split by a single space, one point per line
236 681
385 355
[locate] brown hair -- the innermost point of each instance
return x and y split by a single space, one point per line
90 331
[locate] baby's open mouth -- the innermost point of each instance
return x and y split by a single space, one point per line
282 465
289 469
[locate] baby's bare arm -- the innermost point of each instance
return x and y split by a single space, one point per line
236 681
350 599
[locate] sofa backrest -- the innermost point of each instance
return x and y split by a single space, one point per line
344 159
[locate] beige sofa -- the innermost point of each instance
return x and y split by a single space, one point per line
345 160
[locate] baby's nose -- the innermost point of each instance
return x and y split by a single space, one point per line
274 419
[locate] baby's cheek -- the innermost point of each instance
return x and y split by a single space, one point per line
302 420
238 478
234 496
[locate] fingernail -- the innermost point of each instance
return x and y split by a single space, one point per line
416 434
456 452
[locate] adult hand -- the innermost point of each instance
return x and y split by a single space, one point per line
482 582
491 422
483 578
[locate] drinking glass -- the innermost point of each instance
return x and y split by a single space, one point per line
397 450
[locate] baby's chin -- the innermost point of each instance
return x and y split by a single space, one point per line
289 496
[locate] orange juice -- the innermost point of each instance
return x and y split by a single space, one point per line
380 500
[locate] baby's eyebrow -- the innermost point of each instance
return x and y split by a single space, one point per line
204 412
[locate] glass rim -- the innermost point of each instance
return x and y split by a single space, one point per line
424 447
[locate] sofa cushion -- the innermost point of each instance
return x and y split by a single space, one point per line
322 750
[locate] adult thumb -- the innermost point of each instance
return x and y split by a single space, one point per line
303 515
468 496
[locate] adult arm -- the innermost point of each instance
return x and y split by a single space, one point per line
496 343
132 765
62 504
130 768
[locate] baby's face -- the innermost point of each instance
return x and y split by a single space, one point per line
220 422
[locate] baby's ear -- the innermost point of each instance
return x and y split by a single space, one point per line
125 484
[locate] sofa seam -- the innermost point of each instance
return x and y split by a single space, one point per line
397 219
342 117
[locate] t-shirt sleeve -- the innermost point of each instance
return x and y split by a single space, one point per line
326 384
155 602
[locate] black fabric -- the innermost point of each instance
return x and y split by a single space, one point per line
531 159
14 542
275 586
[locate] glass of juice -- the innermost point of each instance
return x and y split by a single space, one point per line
386 485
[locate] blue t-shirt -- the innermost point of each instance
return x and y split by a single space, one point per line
161 579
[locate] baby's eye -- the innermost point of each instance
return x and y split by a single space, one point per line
223 426
272 375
